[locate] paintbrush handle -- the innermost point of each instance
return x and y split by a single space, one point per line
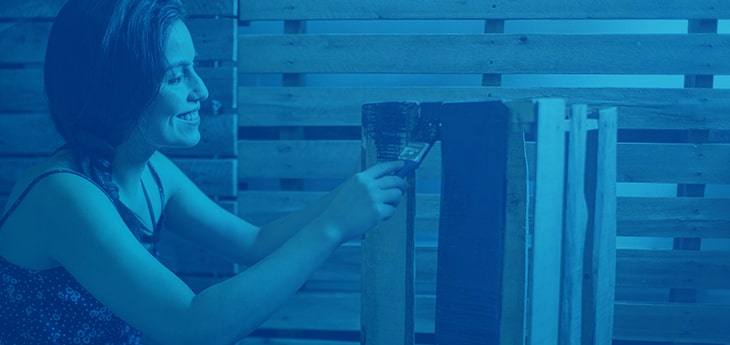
407 169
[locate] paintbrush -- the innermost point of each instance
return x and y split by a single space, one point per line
422 138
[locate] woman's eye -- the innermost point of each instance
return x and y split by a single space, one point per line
176 80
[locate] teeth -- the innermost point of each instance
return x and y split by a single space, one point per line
188 116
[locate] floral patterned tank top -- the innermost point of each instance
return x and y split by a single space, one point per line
51 307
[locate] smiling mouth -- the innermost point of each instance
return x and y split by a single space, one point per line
189 116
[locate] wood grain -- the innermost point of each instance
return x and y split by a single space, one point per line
480 9
465 53
638 108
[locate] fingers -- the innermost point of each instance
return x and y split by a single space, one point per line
392 181
383 169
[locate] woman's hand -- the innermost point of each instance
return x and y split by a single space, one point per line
364 200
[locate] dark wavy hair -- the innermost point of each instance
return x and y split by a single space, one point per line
104 65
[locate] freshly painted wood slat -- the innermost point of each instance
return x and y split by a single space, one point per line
23 89
637 162
49 8
673 269
481 9
672 322
486 53
638 107
673 217
34 134
471 248
25 41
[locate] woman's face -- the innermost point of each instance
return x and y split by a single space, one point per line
172 120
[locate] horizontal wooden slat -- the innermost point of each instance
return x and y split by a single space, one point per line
673 217
49 8
481 9
637 108
25 42
700 164
23 89
34 134
292 341
643 217
215 177
486 53
673 269
637 162
676 322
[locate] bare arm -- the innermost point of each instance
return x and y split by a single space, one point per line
95 246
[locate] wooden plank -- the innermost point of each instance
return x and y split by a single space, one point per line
25 41
672 322
637 162
603 258
292 341
302 312
480 9
23 89
34 134
690 269
673 217
261 207
514 272
701 163
638 108
544 285
472 223
465 53
574 230
387 315
49 8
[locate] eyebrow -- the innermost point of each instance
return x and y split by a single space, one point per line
182 63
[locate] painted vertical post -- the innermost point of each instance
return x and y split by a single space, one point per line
544 288
474 138
574 234
604 233
388 250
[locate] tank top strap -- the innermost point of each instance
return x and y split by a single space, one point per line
159 185
37 179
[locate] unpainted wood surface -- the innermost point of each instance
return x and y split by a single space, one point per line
486 53
481 9
49 8
638 108
637 162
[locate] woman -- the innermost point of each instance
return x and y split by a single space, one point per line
78 238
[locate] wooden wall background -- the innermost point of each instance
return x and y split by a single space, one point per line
271 149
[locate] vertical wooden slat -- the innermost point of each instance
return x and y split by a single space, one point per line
514 271
574 236
388 280
603 268
472 223
545 272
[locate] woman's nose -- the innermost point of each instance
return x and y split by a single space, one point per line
198 90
